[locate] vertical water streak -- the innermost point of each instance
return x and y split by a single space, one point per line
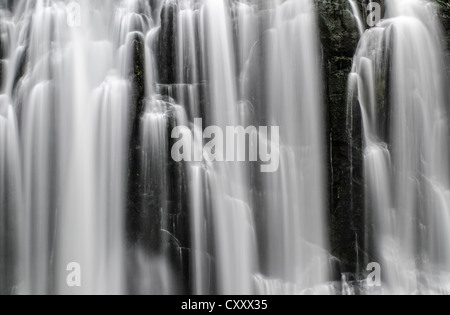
357 15
295 208
111 99
11 241
399 66
231 206
72 102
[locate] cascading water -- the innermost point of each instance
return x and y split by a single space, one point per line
10 213
399 81
296 258
357 16
79 93
71 102
296 204
94 93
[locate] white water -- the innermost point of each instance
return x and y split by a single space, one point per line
65 132
294 243
230 197
406 157
297 244
72 106
10 180
357 15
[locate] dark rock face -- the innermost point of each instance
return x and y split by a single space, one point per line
339 38
3 49
444 16
157 218
6 4
166 53
136 74
2 66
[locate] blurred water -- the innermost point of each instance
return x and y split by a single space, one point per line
399 79
87 176
67 155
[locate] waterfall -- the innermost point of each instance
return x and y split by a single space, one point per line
357 16
188 147
88 105
70 148
229 183
244 220
296 204
11 210
399 81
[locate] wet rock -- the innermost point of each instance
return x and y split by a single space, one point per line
444 16
166 43
2 67
339 38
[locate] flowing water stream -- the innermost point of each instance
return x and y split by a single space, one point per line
91 91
